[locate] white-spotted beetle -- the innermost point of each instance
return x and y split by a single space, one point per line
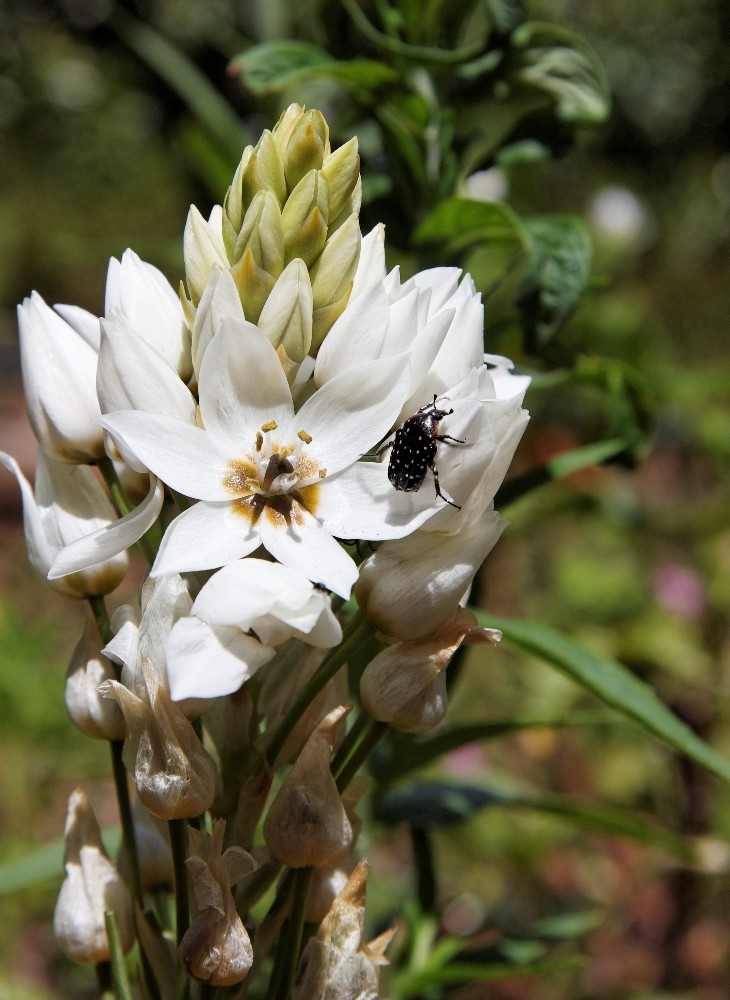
414 450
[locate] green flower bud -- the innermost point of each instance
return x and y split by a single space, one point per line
262 233
305 218
351 207
334 271
234 207
253 284
342 170
264 171
306 148
203 249
286 319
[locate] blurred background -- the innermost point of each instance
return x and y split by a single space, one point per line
115 117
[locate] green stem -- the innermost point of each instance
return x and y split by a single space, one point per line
290 942
179 844
357 630
364 736
101 617
125 815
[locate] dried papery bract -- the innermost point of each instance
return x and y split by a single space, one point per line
216 947
91 887
89 711
405 685
307 824
336 964
174 774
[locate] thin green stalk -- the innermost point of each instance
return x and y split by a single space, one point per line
101 617
179 844
353 754
124 803
290 941
358 629
120 976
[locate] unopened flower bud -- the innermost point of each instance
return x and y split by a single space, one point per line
91 887
154 855
216 947
307 824
306 147
203 250
264 171
304 218
59 379
352 206
174 774
234 208
332 278
286 319
405 684
342 172
336 962
68 503
93 714
262 232
253 283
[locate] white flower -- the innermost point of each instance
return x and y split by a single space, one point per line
58 359
142 295
267 475
244 610
68 503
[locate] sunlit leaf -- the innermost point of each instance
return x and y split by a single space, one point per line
612 682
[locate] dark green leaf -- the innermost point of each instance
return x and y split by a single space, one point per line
613 683
561 261
461 222
565 67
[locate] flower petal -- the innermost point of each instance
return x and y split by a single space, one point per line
205 661
242 385
111 539
182 455
352 412
308 547
205 536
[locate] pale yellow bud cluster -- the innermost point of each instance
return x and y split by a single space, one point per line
290 234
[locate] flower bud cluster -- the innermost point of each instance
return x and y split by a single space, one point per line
288 233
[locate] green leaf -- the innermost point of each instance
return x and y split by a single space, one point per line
461 222
122 990
611 682
435 804
417 983
561 262
561 466
565 67
401 753
43 865
272 66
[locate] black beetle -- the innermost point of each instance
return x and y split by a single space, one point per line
414 450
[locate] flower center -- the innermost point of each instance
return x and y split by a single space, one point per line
273 475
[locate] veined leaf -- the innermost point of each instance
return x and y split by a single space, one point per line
612 682
272 66
462 222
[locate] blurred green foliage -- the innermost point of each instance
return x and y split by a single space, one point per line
477 125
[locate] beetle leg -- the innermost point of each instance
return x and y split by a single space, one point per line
449 439
438 487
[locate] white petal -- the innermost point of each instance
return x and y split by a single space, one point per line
182 455
360 502
208 662
371 265
59 378
205 536
352 412
240 592
242 385
111 539
164 601
132 375
86 324
40 552
306 546
141 293
220 301
356 336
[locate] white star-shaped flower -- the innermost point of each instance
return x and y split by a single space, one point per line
269 475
